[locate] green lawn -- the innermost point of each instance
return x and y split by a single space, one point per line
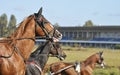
111 57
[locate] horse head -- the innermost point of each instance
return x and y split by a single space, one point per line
44 25
100 59
57 51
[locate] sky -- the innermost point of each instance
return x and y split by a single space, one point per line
66 12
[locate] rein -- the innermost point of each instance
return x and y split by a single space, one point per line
56 50
53 73
6 40
15 48
8 55
76 65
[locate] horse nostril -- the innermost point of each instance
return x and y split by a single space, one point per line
59 35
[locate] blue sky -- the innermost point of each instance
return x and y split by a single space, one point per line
66 12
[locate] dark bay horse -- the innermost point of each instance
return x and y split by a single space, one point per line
16 49
40 57
84 68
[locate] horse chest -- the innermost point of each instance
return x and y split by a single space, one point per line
89 70
12 67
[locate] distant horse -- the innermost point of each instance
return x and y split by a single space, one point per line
16 49
39 58
84 68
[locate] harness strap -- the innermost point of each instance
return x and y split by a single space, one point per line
19 52
76 65
26 38
8 56
53 73
38 68
34 64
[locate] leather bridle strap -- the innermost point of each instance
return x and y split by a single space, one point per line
26 38
1 56
56 50
53 73
15 49
6 40
35 65
41 24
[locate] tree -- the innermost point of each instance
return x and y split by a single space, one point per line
88 23
56 25
12 24
3 25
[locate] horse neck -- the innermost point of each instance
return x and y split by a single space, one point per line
90 61
25 30
41 54
26 26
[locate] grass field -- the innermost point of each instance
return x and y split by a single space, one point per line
111 57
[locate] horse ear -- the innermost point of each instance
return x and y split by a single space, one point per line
38 15
39 12
101 53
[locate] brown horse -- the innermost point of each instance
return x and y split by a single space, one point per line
84 68
16 49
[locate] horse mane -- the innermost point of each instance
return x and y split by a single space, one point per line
89 59
21 28
38 50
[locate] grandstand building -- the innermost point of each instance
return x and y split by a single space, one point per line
95 36
91 33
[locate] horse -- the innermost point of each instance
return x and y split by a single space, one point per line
16 48
39 58
77 68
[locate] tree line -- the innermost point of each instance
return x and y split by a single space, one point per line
7 27
88 23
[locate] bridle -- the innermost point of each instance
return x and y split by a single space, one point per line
58 53
101 59
42 25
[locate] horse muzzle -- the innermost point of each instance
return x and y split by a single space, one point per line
62 57
57 39
102 65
